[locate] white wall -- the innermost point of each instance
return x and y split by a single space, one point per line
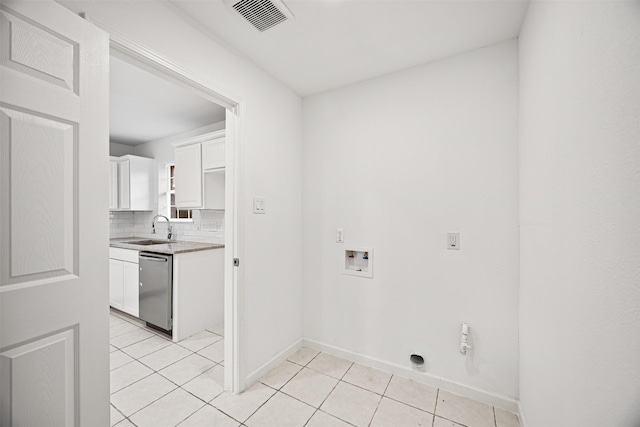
398 162
271 165
580 214
116 149
162 150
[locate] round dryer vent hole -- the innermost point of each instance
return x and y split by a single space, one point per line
417 361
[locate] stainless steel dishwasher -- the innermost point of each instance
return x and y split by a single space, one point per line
156 289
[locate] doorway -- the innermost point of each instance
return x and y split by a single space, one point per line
142 58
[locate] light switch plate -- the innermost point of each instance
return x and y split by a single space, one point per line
259 205
340 235
453 241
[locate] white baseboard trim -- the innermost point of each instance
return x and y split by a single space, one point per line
275 361
421 377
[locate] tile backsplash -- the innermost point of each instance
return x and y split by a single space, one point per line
207 226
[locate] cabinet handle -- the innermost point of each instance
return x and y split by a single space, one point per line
153 259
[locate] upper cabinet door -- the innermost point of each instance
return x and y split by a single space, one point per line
54 278
213 154
124 184
131 183
188 176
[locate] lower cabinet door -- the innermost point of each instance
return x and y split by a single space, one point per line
116 283
131 288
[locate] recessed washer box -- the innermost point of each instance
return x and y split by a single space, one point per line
358 261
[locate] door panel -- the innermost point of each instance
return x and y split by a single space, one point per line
54 321
30 48
46 150
44 375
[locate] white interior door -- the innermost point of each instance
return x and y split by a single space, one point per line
54 363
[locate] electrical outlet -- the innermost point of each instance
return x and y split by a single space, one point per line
453 241
259 205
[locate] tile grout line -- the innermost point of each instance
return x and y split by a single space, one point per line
154 351
154 401
405 403
279 390
312 415
128 385
355 385
259 407
276 390
191 414
154 371
457 423
375 411
295 375
333 389
435 408
380 401
384 393
173 390
228 415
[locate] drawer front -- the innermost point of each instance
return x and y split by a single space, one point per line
123 254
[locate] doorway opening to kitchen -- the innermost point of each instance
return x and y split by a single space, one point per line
196 142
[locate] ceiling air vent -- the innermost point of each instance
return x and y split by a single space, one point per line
262 14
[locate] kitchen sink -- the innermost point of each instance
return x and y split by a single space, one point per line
147 242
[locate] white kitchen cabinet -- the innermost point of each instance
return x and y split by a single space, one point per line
214 189
116 283
131 288
199 172
134 183
213 154
124 184
113 184
198 292
188 176
124 281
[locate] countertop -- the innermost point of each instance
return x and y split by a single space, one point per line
171 247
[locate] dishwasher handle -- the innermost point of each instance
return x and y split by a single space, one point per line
150 258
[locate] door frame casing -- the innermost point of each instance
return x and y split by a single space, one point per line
161 66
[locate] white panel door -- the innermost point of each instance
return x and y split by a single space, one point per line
54 319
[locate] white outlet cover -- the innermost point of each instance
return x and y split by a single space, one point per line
453 241
259 205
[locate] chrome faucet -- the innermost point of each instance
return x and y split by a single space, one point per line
153 225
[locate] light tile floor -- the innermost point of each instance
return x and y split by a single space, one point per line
157 383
